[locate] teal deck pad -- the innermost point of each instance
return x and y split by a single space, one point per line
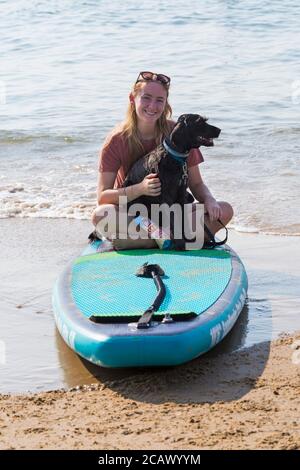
105 283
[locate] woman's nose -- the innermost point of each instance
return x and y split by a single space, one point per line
152 105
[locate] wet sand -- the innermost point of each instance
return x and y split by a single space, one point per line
243 394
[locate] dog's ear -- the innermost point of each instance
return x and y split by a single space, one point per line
201 118
191 118
183 118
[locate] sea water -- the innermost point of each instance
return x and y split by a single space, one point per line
66 71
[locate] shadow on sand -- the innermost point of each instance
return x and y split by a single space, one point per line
225 373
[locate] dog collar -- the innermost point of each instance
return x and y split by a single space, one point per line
179 157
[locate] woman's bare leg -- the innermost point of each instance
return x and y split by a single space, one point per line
227 214
107 222
215 226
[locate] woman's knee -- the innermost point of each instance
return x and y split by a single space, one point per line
227 211
101 211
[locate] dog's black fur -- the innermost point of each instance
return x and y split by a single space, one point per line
190 131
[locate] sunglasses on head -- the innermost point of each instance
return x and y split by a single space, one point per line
150 76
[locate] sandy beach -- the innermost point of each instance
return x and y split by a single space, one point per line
242 400
244 394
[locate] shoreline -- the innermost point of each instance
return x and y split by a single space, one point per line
246 399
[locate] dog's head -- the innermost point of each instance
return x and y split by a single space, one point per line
192 131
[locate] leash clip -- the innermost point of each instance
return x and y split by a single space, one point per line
185 176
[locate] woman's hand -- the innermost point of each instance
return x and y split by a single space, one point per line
151 185
213 209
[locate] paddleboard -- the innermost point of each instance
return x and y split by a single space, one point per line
98 300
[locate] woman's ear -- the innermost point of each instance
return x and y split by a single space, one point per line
131 98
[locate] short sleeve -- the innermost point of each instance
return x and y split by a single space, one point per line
195 157
110 155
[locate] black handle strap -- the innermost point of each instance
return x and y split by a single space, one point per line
211 242
145 320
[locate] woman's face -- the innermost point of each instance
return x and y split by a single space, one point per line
150 102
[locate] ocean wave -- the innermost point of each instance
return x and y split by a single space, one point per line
292 230
48 210
285 130
48 198
23 137
19 208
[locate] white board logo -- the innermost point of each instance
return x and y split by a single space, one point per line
220 330
67 334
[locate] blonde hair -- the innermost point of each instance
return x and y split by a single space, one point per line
129 127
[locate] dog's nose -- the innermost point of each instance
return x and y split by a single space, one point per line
217 131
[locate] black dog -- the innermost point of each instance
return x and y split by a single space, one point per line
168 160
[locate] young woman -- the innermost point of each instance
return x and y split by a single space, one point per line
147 121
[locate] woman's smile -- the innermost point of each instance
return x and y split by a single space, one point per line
150 113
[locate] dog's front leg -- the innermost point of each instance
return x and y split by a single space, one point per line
178 241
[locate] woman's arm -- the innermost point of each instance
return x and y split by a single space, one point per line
196 184
150 186
107 195
201 192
